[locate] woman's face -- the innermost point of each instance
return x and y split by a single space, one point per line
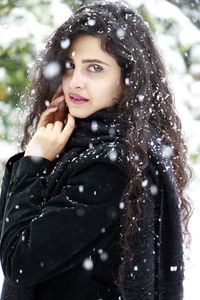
93 74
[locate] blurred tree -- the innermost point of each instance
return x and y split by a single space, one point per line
191 8
15 58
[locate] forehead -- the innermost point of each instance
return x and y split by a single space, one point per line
86 38
87 46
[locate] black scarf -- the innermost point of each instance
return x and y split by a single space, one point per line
105 125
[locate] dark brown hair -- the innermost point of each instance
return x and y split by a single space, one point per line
148 100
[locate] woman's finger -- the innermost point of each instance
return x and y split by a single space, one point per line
58 126
55 112
45 116
50 126
60 114
57 100
69 128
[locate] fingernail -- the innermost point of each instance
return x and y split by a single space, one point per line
60 99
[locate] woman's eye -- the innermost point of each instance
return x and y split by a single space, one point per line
95 68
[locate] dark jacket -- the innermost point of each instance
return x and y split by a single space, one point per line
60 222
60 216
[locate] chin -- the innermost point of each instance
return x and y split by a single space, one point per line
78 113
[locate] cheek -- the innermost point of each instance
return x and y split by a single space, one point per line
64 81
65 84
114 89
106 90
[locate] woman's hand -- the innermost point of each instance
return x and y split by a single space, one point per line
53 129
50 141
56 110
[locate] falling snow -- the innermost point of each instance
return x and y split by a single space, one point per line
91 146
112 155
68 65
103 230
47 103
81 188
120 32
51 70
121 205
127 81
167 151
94 126
111 131
144 183
88 264
91 22
65 43
136 157
154 189
173 268
104 256
141 98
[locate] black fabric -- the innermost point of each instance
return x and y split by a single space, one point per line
57 214
157 271
54 215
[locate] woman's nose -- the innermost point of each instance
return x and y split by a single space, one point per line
77 80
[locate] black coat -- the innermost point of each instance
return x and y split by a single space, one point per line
59 216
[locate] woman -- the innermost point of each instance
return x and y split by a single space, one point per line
94 206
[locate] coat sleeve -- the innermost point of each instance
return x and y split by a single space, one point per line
5 184
40 240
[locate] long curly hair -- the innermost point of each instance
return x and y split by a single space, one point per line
148 99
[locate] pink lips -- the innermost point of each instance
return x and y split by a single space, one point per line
77 99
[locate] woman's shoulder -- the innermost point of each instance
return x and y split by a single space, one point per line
12 160
8 170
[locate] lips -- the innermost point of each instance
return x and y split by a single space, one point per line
77 99
77 96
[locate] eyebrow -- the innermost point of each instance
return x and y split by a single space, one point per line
94 60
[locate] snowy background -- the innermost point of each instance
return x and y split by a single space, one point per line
180 39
